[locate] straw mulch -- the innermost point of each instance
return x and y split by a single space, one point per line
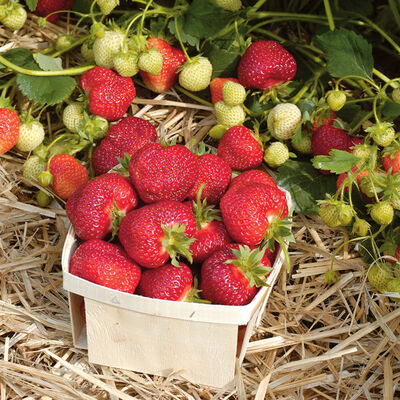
314 342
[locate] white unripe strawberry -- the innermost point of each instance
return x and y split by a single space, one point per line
233 93
229 115
230 5
126 63
336 99
105 47
151 61
15 18
73 116
283 120
276 154
196 74
31 135
106 6
33 167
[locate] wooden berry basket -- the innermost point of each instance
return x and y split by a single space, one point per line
202 342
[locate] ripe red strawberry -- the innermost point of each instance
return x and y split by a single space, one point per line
216 88
266 63
343 176
328 137
163 173
250 212
240 149
46 7
105 264
110 94
95 209
252 176
211 233
216 174
127 136
167 282
172 59
232 275
154 233
392 160
68 175
9 129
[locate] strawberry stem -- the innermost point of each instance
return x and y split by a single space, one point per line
180 39
329 15
143 17
193 96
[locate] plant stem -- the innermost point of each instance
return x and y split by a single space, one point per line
192 96
180 39
395 11
143 17
73 45
329 15
63 72
382 76
367 116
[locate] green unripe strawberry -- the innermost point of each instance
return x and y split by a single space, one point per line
73 116
104 48
151 61
303 145
217 131
276 154
328 211
336 100
229 115
345 214
15 18
43 199
382 133
87 51
234 94
379 276
31 135
362 151
33 167
395 199
95 127
360 227
106 6
396 95
382 213
367 186
196 74
64 41
393 286
331 277
230 5
283 120
45 178
126 63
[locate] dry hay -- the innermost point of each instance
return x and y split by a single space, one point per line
315 341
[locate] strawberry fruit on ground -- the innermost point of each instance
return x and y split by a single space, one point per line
129 135
9 129
167 282
252 212
163 173
240 149
105 264
232 275
172 59
380 274
211 233
109 94
216 86
251 176
215 174
154 233
96 209
46 7
65 175
266 63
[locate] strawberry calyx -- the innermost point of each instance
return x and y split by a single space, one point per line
176 243
248 266
191 294
116 218
203 212
45 178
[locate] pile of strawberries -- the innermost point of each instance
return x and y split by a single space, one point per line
180 227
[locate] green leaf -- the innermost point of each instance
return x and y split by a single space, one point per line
186 38
31 4
21 57
337 162
224 62
391 110
346 53
204 19
305 184
47 63
46 90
